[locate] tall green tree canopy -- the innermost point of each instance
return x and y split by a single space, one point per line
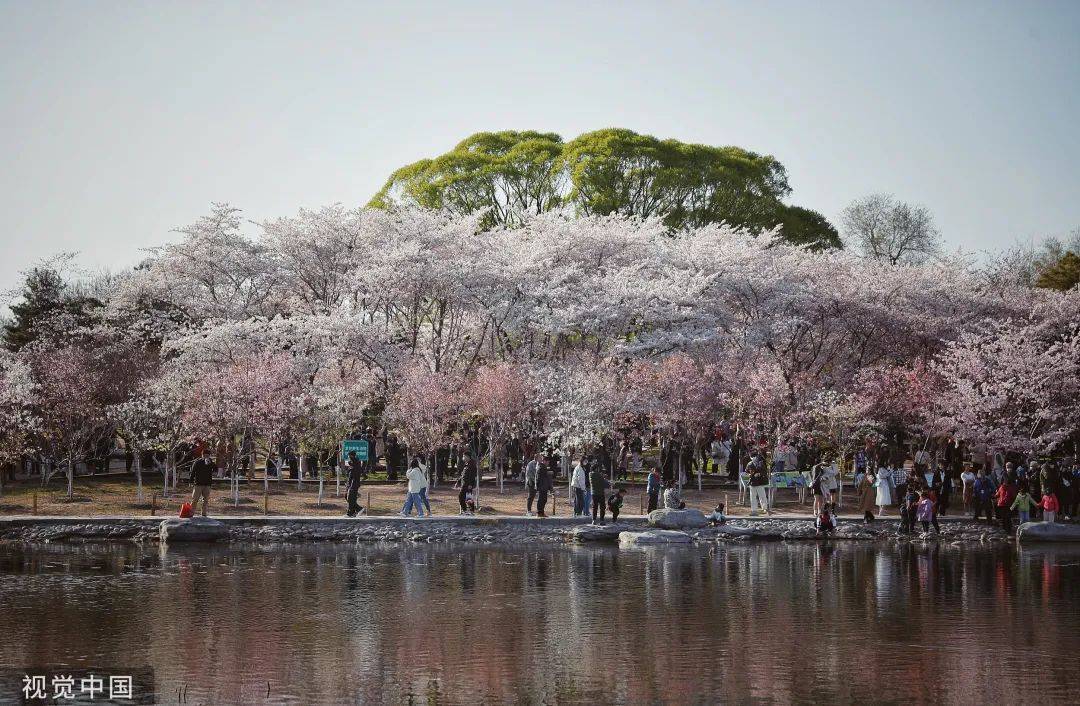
511 175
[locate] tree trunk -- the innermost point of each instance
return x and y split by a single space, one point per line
498 470
71 478
138 477
300 472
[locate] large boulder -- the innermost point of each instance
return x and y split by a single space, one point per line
195 529
1048 532
653 537
677 519
595 533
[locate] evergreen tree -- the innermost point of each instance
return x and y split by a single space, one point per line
1064 275
44 296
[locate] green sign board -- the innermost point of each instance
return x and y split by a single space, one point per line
788 479
360 446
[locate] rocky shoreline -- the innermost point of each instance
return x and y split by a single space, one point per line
485 530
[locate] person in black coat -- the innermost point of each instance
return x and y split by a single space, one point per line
467 481
355 470
202 475
544 485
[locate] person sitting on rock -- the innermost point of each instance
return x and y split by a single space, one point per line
717 517
672 499
826 521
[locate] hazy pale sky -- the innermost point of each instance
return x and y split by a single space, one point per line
121 121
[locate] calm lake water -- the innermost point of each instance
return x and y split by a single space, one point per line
784 623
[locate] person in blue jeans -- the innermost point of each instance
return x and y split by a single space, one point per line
417 491
1023 504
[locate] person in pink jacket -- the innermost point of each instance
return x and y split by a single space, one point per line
1049 505
925 513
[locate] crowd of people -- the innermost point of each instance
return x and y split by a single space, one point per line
918 490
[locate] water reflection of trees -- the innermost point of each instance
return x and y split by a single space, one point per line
791 622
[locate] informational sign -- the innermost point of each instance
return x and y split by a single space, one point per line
360 446
787 479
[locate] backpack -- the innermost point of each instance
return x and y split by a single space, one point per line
186 511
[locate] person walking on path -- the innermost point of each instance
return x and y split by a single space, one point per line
532 468
759 485
417 491
652 489
355 471
423 489
867 496
579 483
597 485
466 482
982 497
543 487
202 475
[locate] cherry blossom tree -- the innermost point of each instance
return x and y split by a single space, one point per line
502 395
1016 385
422 406
68 405
703 322
257 396
17 393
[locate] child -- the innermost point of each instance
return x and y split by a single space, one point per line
826 521
615 503
1049 505
925 512
716 517
1023 504
470 504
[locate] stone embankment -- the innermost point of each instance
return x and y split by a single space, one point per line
476 530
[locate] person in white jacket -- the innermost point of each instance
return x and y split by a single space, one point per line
580 484
417 491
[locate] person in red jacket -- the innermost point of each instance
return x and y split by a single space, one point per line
1049 504
1004 497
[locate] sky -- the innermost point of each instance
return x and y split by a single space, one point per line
123 121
